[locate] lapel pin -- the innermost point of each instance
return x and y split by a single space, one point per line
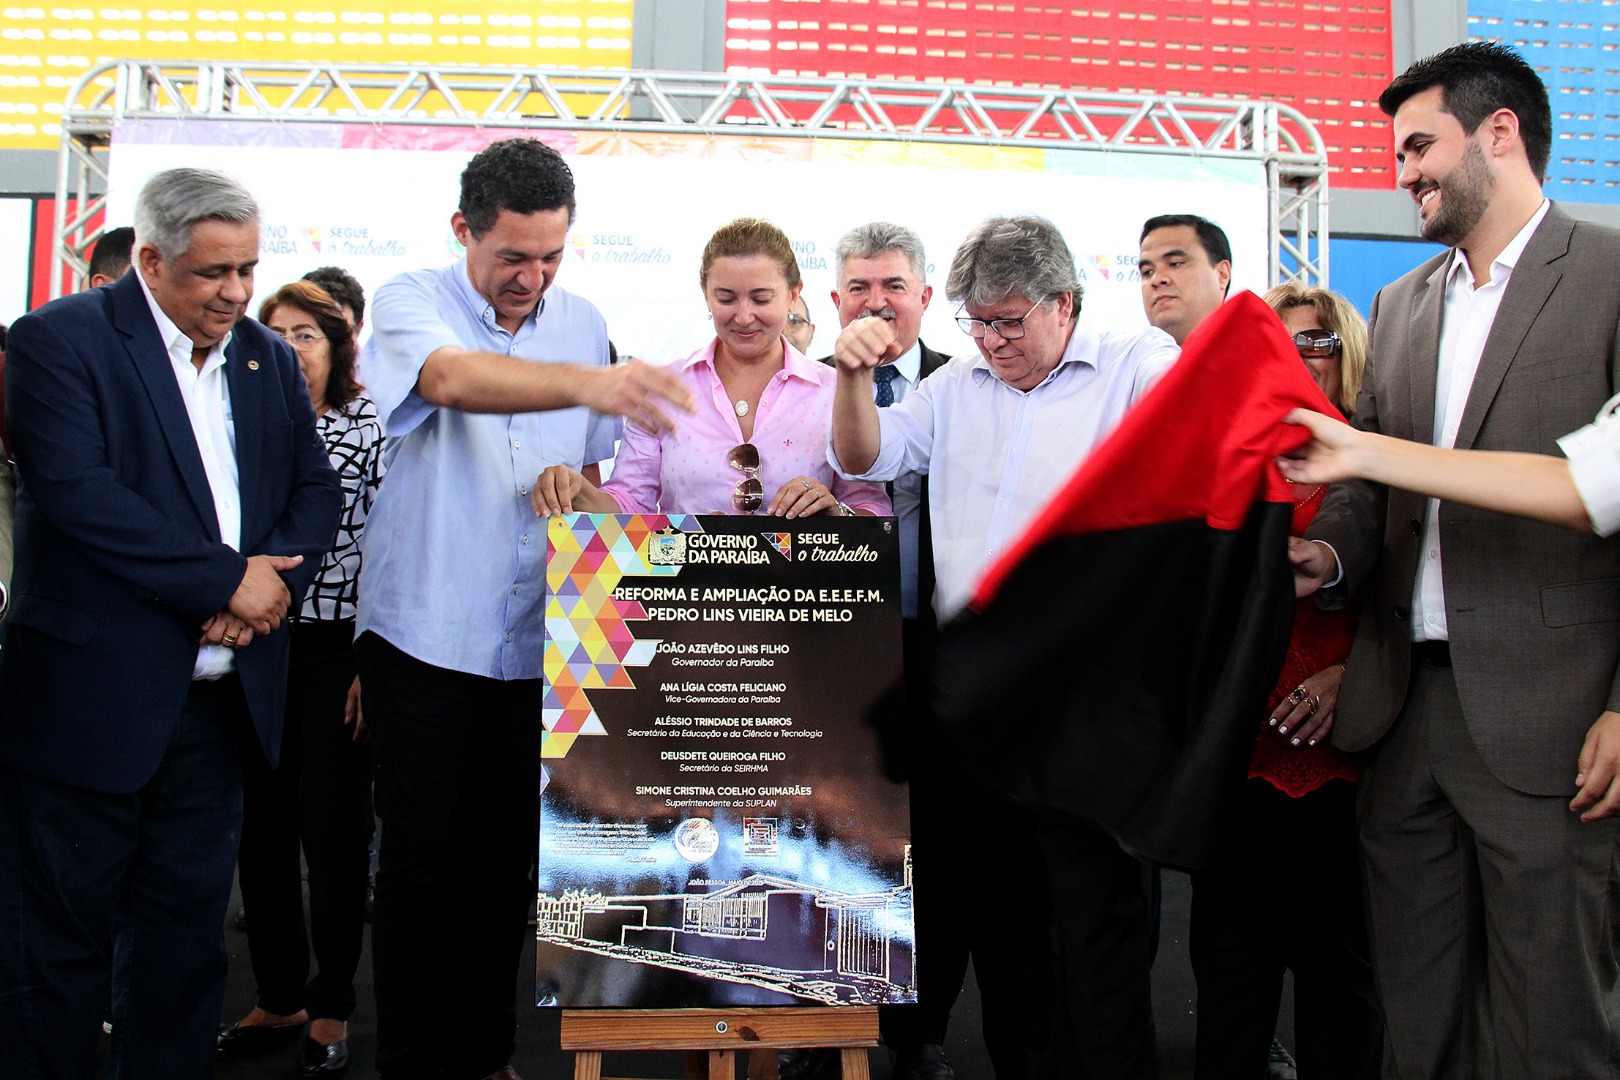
253 365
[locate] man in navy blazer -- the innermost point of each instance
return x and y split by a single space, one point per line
174 502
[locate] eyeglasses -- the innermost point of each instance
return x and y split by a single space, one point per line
303 339
1006 329
749 494
795 319
1316 344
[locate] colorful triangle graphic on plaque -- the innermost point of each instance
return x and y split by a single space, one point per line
591 643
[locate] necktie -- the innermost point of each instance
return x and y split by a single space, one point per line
885 385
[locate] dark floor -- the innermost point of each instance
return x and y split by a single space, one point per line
539 1059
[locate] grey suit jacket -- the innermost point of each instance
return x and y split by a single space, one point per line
1533 611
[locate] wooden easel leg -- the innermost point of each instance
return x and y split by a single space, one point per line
588 1065
762 1065
713 1038
854 1064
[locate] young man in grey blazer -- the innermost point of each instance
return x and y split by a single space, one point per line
1484 674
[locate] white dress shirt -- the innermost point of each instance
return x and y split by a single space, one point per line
208 403
1469 314
996 455
1594 463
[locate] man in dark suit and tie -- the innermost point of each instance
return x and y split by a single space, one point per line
1484 674
881 274
174 502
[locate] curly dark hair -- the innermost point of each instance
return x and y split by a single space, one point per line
342 287
1475 79
524 176
341 387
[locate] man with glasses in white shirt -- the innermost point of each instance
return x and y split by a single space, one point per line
998 433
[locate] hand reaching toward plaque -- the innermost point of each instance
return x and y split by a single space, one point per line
561 490
803 496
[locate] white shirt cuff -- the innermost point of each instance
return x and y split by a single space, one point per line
1594 464
1337 565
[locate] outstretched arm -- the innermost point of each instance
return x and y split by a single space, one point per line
1529 485
484 382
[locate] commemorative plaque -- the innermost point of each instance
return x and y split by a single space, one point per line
719 826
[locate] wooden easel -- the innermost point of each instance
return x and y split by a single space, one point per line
711 1038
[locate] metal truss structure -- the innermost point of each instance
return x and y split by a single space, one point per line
1266 132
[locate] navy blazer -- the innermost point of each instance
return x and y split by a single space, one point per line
118 554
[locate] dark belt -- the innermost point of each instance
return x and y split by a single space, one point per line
1433 653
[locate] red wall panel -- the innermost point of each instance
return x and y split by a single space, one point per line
1327 59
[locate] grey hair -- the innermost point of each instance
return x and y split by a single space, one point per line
176 199
1006 255
873 239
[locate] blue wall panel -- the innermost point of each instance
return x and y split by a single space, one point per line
1357 269
1574 45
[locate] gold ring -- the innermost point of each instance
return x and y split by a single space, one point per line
229 639
1297 694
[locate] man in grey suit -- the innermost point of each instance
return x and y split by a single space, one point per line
1483 677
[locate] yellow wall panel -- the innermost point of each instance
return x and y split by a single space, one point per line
45 50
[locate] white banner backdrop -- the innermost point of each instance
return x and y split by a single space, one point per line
17 238
377 200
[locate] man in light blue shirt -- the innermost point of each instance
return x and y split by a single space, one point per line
998 433
483 375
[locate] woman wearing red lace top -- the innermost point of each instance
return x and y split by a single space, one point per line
1286 894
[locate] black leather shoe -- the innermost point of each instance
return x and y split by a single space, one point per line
925 1061
237 1042
1280 1063
327 1059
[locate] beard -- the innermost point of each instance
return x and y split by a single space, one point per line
1464 197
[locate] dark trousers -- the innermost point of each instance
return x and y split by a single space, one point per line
1100 900
943 905
158 862
319 798
1000 868
1286 895
943 882
1493 912
457 786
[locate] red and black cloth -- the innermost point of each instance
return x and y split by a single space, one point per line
1114 663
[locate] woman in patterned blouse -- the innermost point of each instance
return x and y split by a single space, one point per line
321 794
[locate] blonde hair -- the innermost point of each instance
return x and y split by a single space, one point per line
1339 315
747 236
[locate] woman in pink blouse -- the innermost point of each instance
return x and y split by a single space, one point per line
757 441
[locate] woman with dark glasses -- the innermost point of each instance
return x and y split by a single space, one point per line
757 442
1286 894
